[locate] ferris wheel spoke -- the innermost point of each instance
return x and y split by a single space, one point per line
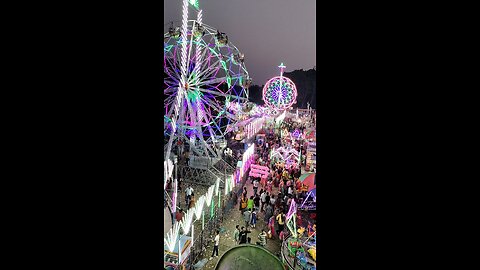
200 53
171 62
217 93
214 81
217 126
171 75
170 111
171 94
219 110
170 90
171 78
170 84
199 131
209 71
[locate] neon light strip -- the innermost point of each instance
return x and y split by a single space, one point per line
308 195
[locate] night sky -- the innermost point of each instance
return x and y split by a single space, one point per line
268 32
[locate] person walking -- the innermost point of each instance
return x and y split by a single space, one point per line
281 222
179 215
215 247
263 197
250 203
192 202
243 235
236 234
271 227
281 187
268 213
278 201
255 186
254 218
269 186
188 194
263 181
272 201
256 202
290 190
243 203
180 184
247 216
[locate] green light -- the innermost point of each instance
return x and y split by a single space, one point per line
212 207
229 81
194 3
194 95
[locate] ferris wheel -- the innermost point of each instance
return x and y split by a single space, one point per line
280 93
203 74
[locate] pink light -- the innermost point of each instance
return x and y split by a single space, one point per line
292 209
285 80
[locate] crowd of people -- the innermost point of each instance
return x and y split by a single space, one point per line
272 194
265 203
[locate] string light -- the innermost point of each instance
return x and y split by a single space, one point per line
187 221
209 195
172 236
217 186
199 207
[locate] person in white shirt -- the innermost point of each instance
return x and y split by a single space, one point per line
255 186
263 197
215 247
272 201
188 195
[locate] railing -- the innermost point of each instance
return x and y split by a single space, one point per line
205 237
169 200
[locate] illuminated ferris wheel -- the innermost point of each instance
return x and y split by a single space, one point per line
280 93
204 74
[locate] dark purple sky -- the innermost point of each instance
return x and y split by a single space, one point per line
268 32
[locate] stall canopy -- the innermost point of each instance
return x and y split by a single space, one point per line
309 180
310 135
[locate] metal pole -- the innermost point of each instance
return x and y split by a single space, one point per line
201 242
225 186
176 168
176 181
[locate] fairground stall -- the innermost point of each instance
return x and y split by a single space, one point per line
177 259
299 248
311 159
307 190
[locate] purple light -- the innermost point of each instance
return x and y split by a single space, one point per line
304 201
292 210
296 133
271 93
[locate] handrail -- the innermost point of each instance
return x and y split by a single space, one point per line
169 201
